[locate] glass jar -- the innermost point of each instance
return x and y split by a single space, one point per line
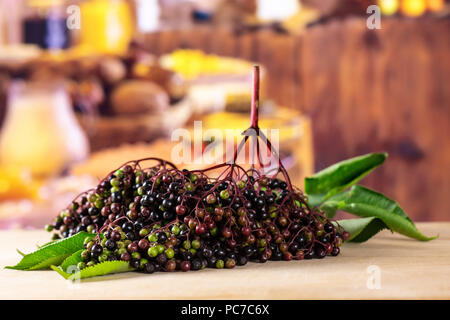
44 24
107 26
40 133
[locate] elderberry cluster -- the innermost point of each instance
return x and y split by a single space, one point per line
163 219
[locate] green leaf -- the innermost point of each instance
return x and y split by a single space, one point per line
99 269
53 253
362 229
72 260
330 208
46 244
366 203
340 176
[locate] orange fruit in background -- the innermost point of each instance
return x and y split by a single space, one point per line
388 7
413 8
435 5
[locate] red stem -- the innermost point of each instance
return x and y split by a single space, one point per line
255 98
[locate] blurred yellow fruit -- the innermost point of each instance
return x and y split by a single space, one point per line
388 7
413 8
17 184
107 26
435 5
193 63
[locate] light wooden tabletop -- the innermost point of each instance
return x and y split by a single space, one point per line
386 267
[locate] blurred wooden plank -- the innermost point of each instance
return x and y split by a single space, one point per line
167 41
149 42
276 52
384 90
197 37
223 42
246 49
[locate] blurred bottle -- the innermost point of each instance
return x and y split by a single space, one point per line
147 15
106 25
176 14
44 24
10 21
269 10
40 133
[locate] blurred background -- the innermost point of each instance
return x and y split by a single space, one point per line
88 85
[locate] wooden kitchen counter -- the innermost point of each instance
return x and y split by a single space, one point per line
408 269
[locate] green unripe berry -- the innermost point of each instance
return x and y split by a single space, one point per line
160 248
193 177
90 263
273 211
262 243
153 237
136 255
89 244
119 173
142 263
115 182
176 230
121 251
99 203
189 186
240 184
170 253
143 232
186 244
103 257
220 264
90 228
224 194
92 198
214 231
114 189
74 206
152 252
81 265
85 255
64 213
120 244
48 228
196 244
140 191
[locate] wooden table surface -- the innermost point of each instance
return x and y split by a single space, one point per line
407 269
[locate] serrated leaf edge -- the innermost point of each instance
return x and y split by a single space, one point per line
77 274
